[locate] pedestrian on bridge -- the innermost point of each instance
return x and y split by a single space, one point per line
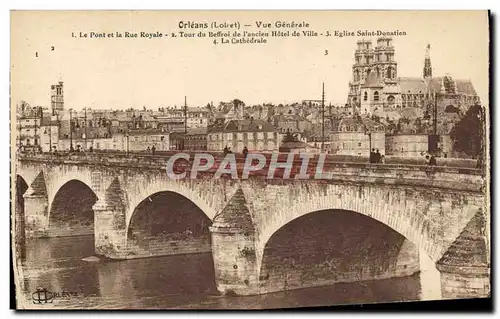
432 160
377 157
372 156
245 152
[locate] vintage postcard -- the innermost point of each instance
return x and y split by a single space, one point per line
249 159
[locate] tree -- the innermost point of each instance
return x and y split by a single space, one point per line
467 134
238 102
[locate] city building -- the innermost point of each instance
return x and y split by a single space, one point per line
256 135
356 135
49 133
29 120
176 141
172 124
197 117
177 120
292 123
292 144
196 139
406 144
317 138
137 140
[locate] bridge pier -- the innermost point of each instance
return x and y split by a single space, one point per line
110 230
233 247
465 268
464 281
36 215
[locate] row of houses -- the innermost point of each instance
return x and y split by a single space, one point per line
351 136
346 135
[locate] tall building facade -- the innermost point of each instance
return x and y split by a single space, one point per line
376 88
57 98
374 76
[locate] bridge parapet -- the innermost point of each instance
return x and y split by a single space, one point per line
99 156
332 171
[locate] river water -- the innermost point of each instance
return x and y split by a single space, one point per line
180 282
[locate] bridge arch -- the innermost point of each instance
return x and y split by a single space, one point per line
333 246
136 195
389 206
71 211
166 223
57 178
21 185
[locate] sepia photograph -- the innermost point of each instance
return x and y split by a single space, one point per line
249 160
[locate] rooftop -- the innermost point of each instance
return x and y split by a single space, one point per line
243 126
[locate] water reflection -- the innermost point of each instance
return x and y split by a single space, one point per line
185 281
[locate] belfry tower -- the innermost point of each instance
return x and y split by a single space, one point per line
427 64
57 98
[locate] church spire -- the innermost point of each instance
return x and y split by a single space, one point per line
427 63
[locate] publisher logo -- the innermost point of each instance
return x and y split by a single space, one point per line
42 295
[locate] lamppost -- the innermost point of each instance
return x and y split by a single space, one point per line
367 132
127 137
50 137
71 130
85 123
35 142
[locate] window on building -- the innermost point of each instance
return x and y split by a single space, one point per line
376 96
365 96
389 71
359 144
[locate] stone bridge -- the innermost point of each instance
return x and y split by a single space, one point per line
407 209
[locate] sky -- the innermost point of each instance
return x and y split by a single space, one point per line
120 73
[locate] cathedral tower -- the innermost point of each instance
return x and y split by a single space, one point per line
385 65
363 60
378 62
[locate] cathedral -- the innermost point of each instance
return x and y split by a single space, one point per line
375 87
